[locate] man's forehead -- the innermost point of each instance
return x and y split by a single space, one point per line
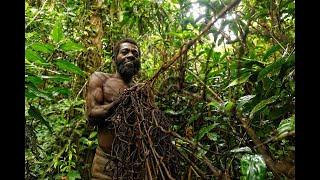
128 45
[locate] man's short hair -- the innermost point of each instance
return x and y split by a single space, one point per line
116 47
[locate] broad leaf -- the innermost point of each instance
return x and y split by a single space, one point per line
253 167
46 48
263 104
70 46
32 89
68 66
34 79
72 175
243 100
205 130
271 51
271 68
33 56
287 125
34 112
57 32
239 80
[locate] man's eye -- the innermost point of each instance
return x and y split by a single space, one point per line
124 52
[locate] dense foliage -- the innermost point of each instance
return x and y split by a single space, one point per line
229 87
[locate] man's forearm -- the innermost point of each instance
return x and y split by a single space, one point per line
99 114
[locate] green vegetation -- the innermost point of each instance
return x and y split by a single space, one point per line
230 87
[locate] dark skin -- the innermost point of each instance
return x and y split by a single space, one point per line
105 89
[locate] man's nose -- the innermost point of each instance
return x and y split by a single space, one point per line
130 56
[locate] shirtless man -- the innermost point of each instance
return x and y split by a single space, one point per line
103 97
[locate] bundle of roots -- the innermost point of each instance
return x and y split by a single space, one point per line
141 148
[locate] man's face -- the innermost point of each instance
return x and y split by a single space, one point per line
128 59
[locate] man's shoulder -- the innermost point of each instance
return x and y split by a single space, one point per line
100 75
98 78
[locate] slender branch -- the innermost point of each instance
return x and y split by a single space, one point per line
36 14
193 165
261 148
193 41
215 94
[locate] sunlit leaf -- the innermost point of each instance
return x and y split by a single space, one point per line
70 46
212 136
287 125
253 167
46 48
243 100
57 32
93 135
239 80
33 56
242 149
58 77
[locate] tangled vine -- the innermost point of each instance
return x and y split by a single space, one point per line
141 148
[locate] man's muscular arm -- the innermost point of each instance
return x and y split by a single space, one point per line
97 108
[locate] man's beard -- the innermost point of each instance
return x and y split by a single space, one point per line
128 70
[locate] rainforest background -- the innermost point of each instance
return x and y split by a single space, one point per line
223 70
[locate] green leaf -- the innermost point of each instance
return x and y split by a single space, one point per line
253 167
73 174
205 130
33 56
84 140
287 125
271 51
214 104
34 112
242 149
263 104
29 95
68 66
239 80
46 48
212 136
39 93
93 134
57 32
193 118
33 79
58 78
228 106
243 100
70 46
271 68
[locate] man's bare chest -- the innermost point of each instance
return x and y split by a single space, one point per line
113 88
